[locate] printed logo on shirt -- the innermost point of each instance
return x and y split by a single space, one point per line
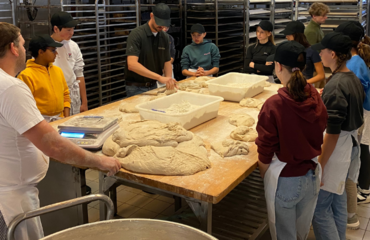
265 53
161 48
207 53
70 55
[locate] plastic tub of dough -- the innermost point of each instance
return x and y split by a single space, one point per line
236 86
206 109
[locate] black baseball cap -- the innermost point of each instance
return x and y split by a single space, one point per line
287 53
351 29
293 27
197 28
42 41
162 15
335 41
63 19
266 25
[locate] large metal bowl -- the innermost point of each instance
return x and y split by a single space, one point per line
132 229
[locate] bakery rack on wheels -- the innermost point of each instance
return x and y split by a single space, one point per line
340 11
175 30
256 11
283 14
224 24
7 11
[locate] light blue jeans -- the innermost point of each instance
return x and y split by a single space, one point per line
134 90
330 218
295 202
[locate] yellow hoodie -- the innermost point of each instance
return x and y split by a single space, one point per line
48 87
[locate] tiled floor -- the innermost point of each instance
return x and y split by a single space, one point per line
134 203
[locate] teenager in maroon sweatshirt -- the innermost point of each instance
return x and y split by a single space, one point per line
290 134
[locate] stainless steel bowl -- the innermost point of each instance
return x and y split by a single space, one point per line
132 229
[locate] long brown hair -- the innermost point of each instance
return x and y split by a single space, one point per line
297 81
363 50
301 38
342 58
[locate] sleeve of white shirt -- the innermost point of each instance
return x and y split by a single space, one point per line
78 68
18 108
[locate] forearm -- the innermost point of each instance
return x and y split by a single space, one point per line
168 69
172 60
316 78
212 71
263 168
66 112
143 71
187 73
264 69
82 90
330 141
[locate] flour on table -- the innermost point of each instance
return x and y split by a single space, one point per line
160 95
241 120
267 84
128 108
250 102
151 133
178 108
244 133
229 148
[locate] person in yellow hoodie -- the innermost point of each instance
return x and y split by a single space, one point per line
46 81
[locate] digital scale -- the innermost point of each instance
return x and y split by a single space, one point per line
88 132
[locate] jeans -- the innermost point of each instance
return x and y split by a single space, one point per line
134 90
330 218
295 203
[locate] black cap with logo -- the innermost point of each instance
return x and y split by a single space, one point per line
42 41
293 27
266 25
352 30
198 28
63 19
335 41
162 15
287 53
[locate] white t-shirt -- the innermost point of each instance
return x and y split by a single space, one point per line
21 163
69 59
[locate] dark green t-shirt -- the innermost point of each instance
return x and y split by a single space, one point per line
153 52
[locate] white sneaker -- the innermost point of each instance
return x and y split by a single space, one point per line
353 222
362 196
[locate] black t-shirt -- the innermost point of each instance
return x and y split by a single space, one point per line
312 57
343 97
153 51
258 55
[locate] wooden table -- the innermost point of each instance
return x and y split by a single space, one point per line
202 189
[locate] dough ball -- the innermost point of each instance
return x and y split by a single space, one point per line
160 95
244 133
229 147
169 92
250 102
260 106
267 84
128 108
202 79
241 120
110 148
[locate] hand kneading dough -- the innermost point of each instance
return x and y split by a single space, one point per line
250 102
128 108
245 134
151 133
229 148
169 92
241 120
110 148
187 158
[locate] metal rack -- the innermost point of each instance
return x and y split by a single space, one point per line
340 11
7 11
224 24
283 14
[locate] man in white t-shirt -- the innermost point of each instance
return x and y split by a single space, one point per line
26 142
69 59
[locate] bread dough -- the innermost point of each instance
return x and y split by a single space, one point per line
110 148
151 133
160 95
193 90
267 84
202 79
169 92
242 120
229 147
250 102
260 106
244 133
128 108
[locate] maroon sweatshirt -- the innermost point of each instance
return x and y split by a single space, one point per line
292 130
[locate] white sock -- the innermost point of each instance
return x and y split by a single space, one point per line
350 215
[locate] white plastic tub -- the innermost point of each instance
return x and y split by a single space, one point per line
219 86
208 110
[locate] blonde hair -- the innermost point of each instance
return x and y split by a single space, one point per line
318 9
270 38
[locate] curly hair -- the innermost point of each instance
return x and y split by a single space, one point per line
318 9
363 50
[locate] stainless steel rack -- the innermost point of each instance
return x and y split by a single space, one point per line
224 22
7 11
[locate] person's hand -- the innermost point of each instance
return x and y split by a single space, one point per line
169 81
200 72
83 107
321 184
251 64
320 91
109 164
269 63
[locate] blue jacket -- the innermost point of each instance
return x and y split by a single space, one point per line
205 55
357 65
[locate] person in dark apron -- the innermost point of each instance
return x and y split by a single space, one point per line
343 97
290 133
